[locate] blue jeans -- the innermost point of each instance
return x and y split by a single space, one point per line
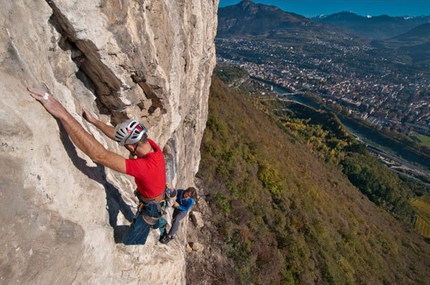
139 230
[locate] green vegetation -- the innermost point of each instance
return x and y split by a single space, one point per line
284 209
230 74
425 140
422 223
326 137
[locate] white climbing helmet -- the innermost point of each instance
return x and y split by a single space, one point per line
129 132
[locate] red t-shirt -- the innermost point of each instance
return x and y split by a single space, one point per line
149 172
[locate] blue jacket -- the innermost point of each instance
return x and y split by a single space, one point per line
184 204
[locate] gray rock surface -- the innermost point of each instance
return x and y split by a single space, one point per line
62 215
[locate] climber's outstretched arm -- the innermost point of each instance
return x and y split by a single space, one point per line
79 136
109 131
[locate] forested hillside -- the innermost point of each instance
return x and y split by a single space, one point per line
285 214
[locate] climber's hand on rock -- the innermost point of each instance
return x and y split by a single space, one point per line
51 104
88 116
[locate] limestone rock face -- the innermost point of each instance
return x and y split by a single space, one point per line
61 213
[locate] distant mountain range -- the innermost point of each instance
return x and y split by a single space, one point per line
380 27
250 20
415 43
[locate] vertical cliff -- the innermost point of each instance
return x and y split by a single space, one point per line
146 59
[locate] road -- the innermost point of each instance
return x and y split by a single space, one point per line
401 163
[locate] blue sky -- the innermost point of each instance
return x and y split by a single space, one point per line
309 8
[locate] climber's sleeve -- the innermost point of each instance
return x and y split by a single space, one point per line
186 205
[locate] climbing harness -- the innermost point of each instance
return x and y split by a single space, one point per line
169 192
161 207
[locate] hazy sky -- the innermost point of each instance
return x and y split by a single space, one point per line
309 8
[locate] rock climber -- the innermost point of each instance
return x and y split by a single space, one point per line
185 199
146 164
